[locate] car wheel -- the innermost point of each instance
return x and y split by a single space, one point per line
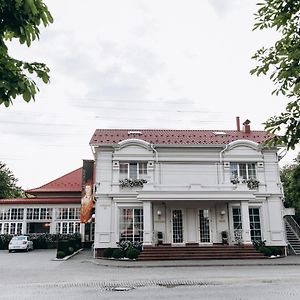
27 249
9 251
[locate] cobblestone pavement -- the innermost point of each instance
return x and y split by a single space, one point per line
35 275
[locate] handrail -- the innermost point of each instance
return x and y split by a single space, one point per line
294 225
288 222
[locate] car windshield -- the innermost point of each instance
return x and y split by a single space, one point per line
20 238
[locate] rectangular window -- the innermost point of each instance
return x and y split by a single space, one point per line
134 170
6 228
20 215
14 214
36 213
49 214
77 227
71 227
237 224
43 213
29 213
58 226
64 227
64 213
131 224
19 228
243 171
71 213
0 228
5 215
255 227
12 228
77 213
124 171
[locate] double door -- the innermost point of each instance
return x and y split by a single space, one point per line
203 226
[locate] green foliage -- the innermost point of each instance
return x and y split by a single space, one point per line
269 251
21 19
282 62
118 253
132 253
60 254
108 252
8 184
4 241
290 178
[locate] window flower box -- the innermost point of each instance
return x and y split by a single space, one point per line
128 182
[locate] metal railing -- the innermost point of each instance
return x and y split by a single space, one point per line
293 225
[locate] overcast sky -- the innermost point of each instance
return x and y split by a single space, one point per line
175 64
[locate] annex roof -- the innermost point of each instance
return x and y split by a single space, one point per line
71 182
176 137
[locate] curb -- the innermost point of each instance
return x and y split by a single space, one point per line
199 264
67 257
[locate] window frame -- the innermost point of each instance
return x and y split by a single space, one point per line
141 170
250 170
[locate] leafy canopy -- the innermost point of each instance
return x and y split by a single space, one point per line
21 19
8 183
282 62
290 177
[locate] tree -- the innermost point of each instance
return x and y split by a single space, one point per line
282 62
290 178
20 19
8 183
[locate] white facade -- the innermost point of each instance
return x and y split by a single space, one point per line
189 196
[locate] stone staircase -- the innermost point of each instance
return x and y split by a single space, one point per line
168 252
292 230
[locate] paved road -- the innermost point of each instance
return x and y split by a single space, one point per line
35 275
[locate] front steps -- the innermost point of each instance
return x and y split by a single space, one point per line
167 252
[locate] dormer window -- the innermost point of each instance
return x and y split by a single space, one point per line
243 171
133 170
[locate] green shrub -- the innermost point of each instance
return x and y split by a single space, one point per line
132 253
63 245
275 251
108 252
118 253
60 254
266 251
4 241
71 250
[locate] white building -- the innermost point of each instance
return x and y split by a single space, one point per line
188 187
52 208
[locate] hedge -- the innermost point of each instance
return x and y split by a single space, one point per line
44 240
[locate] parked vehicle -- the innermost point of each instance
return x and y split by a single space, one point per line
20 242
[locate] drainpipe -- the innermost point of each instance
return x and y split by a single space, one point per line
157 173
221 160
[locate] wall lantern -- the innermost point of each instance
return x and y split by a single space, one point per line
222 213
158 213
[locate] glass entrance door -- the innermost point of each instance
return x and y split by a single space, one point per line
204 227
177 226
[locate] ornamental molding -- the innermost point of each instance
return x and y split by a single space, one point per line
245 143
133 142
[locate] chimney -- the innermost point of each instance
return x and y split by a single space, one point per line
238 125
247 126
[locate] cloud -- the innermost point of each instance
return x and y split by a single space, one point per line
223 7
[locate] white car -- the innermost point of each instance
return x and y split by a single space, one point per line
20 242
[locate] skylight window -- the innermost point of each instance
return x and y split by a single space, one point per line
220 133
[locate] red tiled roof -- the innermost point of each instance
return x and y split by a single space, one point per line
71 182
62 200
177 137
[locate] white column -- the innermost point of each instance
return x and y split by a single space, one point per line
246 237
148 232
